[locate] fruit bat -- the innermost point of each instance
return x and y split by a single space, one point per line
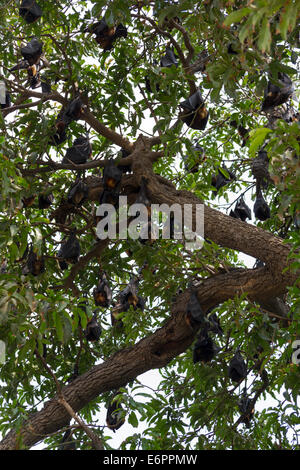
237 369
126 168
80 151
45 200
78 193
28 201
261 208
242 211
169 58
109 197
69 251
32 51
194 313
111 176
275 95
58 138
73 110
115 415
105 35
93 329
243 132
30 11
7 101
194 115
102 293
220 180
35 264
260 170
45 84
129 296
214 323
205 348
194 167
246 408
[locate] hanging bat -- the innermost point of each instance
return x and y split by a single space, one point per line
111 176
194 313
246 408
93 329
30 11
241 211
69 251
243 132
32 51
102 293
78 193
194 115
129 297
28 201
45 200
115 415
80 151
275 95
237 369
142 197
35 264
194 167
205 348
261 208
260 169
105 35
169 58
221 179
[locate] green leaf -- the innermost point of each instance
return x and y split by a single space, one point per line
236 16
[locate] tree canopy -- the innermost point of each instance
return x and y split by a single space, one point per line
166 102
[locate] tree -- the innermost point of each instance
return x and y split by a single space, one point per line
129 89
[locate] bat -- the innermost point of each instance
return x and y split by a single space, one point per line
194 115
30 11
260 168
93 329
261 209
77 193
115 415
205 348
35 264
169 58
69 251
194 313
241 211
102 293
105 36
194 167
237 369
246 408
80 151
221 179
111 176
45 201
32 51
275 95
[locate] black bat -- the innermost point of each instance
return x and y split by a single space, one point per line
32 51
142 197
77 193
102 293
93 329
194 115
260 168
205 348
30 11
243 132
105 35
261 208
221 179
80 151
115 415
246 409
242 211
69 251
169 58
35 264
237 369
194 167
129 297
275 95
112 175
45 200
194 313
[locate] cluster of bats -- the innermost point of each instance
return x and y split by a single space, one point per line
205 349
